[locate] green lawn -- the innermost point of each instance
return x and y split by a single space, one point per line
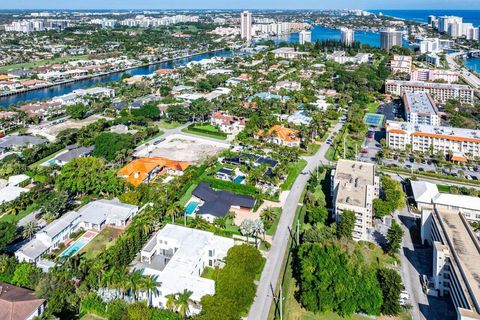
41 63
443 188
210 131
271 231
187 195
372 107
294 170
15 218
105 239
312 149
39 162
168 125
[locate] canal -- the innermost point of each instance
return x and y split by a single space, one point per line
61 89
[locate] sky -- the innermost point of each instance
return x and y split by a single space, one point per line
240 4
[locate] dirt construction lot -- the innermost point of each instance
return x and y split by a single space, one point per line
183 148
50 131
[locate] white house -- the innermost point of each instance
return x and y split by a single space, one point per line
177 256
95 215
227 123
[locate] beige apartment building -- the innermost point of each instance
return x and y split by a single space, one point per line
462 143
354 186
441 92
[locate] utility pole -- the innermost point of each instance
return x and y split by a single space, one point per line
281 302
298 232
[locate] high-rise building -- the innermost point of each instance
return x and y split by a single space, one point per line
445 21
305 36
354 186
246 25
389 38
431 21
348 36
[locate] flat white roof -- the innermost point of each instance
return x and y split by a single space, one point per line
424 191
10 193
191 244
457 200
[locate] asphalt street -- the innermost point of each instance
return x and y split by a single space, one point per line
271 272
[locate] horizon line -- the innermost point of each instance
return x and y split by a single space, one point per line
234 9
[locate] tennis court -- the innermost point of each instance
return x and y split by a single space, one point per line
374 119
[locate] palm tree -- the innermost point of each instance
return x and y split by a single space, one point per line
171 301
173 210
183 302
29 230
269 214
220 222
150 284
134 283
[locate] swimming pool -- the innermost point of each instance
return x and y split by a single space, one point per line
191 207
74 248
239 179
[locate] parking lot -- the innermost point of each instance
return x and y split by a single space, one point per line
468 171
370 146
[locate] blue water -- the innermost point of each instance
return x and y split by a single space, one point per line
74 248
473 64
322 33
471 16
239 179
48 93
191 207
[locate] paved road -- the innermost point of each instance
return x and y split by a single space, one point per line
469 77
410 275
270 275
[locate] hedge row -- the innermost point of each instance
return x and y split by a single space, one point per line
194 128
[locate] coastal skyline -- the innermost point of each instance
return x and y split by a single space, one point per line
250 4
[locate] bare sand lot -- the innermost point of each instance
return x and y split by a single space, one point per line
183 148
51 130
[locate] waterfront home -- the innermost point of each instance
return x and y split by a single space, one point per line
177 257
280 135
19 303
288 53
227 123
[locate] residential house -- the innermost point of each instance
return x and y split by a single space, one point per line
95 215
288 53
19 303
144 170
73 152
216 204
280 135
227 123
177 257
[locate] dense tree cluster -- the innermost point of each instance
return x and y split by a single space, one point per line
392 197
234 287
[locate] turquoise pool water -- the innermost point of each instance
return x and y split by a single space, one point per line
239 179
191 207
74 248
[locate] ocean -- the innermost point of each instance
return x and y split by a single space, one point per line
472 16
